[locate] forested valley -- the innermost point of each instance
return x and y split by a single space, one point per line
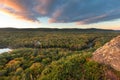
60 54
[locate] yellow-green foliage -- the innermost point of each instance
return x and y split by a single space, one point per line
63 56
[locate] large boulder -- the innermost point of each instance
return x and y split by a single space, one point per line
109 54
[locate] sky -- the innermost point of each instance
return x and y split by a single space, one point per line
104 14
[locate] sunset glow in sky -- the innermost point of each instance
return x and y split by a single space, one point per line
103 14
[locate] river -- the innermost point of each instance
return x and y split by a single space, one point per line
4 50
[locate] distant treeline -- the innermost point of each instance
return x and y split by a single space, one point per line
58 30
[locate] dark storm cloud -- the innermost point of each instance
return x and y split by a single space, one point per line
63 11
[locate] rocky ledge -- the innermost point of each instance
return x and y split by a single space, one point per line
109 54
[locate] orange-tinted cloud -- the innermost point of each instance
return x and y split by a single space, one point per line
19 16
13 4
51 20
44 6
55 15
16 8
41 10
80 23
26 9
90 19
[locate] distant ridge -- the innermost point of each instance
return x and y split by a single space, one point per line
56 29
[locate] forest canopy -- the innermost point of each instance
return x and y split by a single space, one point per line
62 55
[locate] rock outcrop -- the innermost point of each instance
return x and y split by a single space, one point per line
109 54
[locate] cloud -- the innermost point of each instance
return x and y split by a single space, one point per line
63 11
17 8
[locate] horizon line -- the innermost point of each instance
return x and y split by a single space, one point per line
54 28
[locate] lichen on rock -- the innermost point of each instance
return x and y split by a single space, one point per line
109 54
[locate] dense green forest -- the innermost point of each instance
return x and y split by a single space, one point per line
62 54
